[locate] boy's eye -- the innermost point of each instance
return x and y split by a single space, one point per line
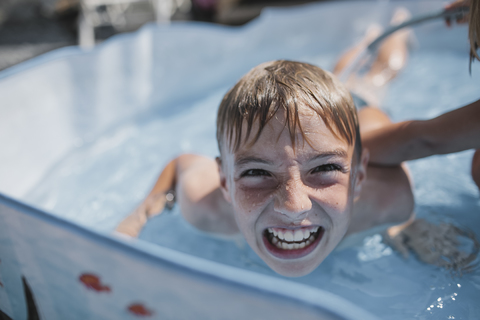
327 167
255 173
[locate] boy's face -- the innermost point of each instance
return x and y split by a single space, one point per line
292 204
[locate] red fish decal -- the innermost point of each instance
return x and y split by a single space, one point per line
93 282
139 309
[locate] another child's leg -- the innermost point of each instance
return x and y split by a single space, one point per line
391 58
386 195
392 54
373 32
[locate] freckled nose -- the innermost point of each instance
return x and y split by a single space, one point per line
293 199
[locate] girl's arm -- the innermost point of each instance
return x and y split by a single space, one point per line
453 131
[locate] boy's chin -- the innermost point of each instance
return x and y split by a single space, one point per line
293 269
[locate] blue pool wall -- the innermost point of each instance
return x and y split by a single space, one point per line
52 254
67 98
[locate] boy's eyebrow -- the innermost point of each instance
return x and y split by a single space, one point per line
341 153
244 160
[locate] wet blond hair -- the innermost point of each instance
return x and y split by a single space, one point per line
285 85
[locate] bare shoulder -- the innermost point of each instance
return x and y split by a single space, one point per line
201 201
386 198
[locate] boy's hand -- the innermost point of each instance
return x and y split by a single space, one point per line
151 206
133 223
454 5
434 244
156 202
161 196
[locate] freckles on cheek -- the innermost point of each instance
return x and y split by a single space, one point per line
337 198
249 199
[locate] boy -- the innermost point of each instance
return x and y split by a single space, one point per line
292 174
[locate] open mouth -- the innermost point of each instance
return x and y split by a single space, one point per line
292 243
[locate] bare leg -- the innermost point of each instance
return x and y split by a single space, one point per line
386 195
372 32
391 58
392 54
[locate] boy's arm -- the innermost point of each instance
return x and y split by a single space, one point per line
153 203
453 131
197 184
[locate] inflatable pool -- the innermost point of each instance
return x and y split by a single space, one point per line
84 134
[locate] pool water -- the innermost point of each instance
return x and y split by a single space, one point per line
100 182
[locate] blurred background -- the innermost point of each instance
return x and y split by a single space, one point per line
31 27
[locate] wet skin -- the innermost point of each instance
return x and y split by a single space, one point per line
275 184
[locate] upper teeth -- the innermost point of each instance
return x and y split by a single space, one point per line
293 235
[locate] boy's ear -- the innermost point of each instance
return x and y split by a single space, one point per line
223 180
361 175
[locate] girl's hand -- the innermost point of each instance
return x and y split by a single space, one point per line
454 5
